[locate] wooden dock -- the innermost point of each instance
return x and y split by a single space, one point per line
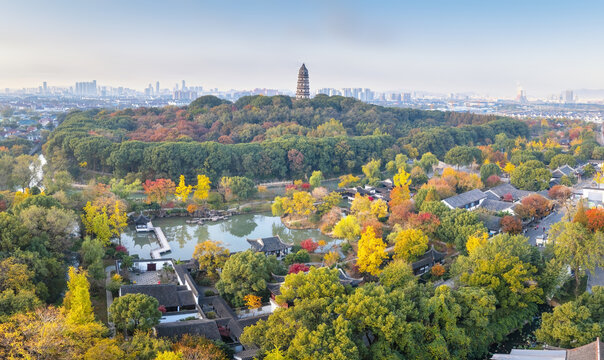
163 242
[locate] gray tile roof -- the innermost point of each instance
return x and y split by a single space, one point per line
501 190
429 258
468 197
168 295
206 328
594 350
492 223
268 244
496 205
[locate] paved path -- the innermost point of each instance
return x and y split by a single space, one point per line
546 222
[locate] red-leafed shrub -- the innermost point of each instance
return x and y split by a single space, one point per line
493 180
121 248
296 268
309 245
305 186
162 309
508 197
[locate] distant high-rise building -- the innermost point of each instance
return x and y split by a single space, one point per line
569 96
183 87
407 97
157 88
44 87
303 89
86 88
521 96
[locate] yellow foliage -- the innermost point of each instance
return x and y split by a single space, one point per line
509 168
321 243
83 164
202 190
20 196
347 180
301 203
182 190
331 258
476 241
410 244
118 220
402 178
261 188
599 177
252 301
379 208
371 252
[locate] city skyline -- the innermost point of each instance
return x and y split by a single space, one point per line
433 46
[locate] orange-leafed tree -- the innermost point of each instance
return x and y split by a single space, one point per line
595 219
252 301
158 190
559 193
437 270
511 225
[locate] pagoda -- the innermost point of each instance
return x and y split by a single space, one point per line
303 89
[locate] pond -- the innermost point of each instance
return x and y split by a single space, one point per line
233 233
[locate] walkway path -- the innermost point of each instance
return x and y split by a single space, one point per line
163 242
108 271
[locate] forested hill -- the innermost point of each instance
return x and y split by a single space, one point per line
260 137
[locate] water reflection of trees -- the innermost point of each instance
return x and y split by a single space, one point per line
180 233
202 233
280 230
240 226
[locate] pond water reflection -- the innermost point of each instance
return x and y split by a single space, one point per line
232 232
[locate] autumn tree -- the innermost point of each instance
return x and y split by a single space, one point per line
296 268
331 258
347 228
316 178
595 219
533 205
309 245
348 180
158 190
371 252
118 221
559 193
252 301
372 171
182 191
511 224
300 204
576 247
409 244
574 323
211 256
202 189
437 270
476 241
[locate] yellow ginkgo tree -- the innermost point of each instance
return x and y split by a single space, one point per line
182 190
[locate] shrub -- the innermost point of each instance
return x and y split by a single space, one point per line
297 267
309 245
209 293
437 270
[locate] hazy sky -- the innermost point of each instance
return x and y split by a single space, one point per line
489 47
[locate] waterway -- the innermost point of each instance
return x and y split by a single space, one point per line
233 233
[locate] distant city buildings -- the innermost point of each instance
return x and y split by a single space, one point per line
86 88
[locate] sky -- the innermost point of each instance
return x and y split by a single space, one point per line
484 47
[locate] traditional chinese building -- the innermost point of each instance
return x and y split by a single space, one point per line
303 89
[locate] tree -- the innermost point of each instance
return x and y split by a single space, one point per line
252 301
202 189
211 256
348 228
511 225
576 247
301 256
463 155
158 190
397 274
317 283
245 273
182 191
118 221
410 244
476 241
509 168
562 159
54 223
296 268
169 355
574 323
309 245
144 346
328 202
398 195
242 187
437 270
278 206
105 349
492 181
315 179
427 162
372 171
17 291
300 204
77 300
402 178
379 208
331 258
531 175
348 180
595 219
488 170
134 312
559 193
123 189
533 205
371 252
418 176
